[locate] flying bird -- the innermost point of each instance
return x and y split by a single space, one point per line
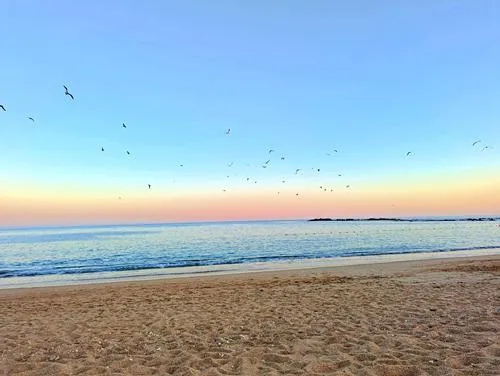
102 149
486 147
66 91
348 186
128 153
228 131
297 171
267 162
230 164
2 107
270 151
408 154
476 142
149 186
30 118
123 125
282 158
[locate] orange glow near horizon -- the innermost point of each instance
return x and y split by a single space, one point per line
441 196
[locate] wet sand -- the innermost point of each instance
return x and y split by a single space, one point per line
432 317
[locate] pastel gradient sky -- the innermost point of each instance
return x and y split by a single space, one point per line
372 80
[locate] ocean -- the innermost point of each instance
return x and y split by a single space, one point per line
68 255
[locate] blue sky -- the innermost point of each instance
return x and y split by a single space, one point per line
373 80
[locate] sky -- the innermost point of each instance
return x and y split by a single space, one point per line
340 90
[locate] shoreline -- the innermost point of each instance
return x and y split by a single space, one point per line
242 270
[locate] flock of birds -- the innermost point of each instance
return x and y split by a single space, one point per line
264 165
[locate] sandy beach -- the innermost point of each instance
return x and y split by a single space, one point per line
433 317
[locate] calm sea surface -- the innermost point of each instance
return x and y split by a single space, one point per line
66 254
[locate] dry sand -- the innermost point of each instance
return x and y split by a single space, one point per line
406 318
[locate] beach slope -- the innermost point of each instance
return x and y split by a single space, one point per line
434 317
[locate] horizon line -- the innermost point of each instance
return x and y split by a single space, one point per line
332 219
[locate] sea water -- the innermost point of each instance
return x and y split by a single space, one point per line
66 255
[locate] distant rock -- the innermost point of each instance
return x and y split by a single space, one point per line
484 219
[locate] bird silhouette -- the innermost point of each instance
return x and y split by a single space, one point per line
297 171
102 149
149 186
66 91
2 107
348 186
408 154
267 162
123 125
282 158
128 153
486 147
228 131
271 151
30 118
476 142
230 164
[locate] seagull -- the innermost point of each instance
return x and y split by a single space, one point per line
30 118
2 107
128 152
282 158
267 162
123 125
270 151
283 181
149 186
348 186
248 179
66 91
297 171
476 142
486 147
228 131
408 154
102 149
